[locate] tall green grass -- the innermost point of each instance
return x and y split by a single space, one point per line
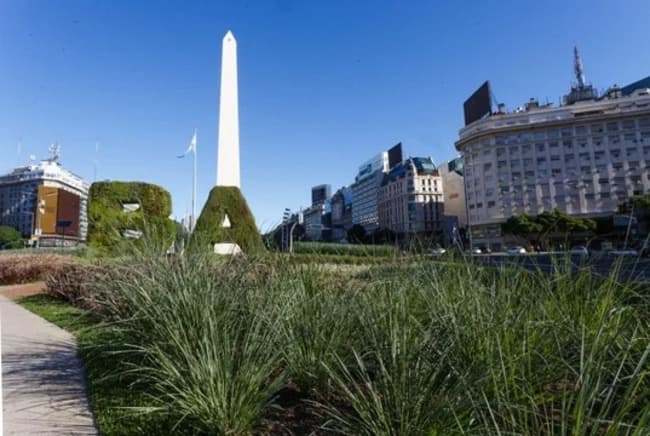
259 345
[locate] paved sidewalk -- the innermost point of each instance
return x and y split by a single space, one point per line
43 385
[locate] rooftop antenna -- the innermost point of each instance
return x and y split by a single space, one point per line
55 150
577 68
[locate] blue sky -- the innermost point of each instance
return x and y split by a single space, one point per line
324 85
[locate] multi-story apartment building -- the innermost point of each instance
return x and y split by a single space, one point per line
341 205
45 199
585 157
410 199
365 188
320 194
364 191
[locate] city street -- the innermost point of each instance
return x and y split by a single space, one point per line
629 268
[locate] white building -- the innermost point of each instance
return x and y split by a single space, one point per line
19 192
584 158
411 198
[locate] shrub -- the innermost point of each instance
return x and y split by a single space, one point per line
344 249
26 268
10 237
222 201
418 349
107 220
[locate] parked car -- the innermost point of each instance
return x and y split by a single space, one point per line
437 251
580 249
476 250
517 250
624 252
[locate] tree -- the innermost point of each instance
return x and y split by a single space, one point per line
357 234
521 225
9 237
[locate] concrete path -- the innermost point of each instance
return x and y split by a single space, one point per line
43 384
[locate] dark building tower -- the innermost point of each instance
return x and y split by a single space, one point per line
320 193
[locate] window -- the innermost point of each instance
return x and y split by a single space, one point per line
566 132
556 171
515 163
502 164
553 145
529 174
553 133
598 155
487 166
500 140
569 157
615 153
541 160
490 204
596 128
501 151
542 134
597 140
525 137
613 139
584 156
555 158
630 151
629 124
528 162
581 130
514 149
612 127
526 148
489 192
603 181
604 195
617 165
540 147
645 122
585 170
516 175
629 137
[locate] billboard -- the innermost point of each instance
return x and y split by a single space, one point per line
479 104
68 212
48 203
395 155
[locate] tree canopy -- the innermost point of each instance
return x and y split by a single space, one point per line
547 223
9 236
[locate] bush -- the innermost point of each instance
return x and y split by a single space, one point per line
242 231
107 220
344 249
244 345
26 268
10 237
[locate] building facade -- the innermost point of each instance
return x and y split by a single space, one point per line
365 190
320 194
584 158
313 221
341 205
47 200
453 188
410 199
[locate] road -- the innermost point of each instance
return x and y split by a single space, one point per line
628 268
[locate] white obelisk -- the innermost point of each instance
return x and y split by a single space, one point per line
228 146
